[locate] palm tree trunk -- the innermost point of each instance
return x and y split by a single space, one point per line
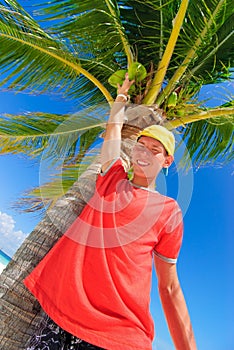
20 311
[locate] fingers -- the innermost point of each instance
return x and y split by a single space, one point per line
125 86
127 79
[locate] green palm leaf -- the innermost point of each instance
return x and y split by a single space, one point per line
56 136
34 59
92 26
97 27
44 197
205 46
94 31
218 131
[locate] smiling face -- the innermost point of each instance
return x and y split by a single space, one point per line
148 157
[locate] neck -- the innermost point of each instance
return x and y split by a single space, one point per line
144 182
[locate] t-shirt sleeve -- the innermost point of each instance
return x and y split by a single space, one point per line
112 175
115 164
170 237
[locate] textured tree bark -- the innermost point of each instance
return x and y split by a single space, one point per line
20 312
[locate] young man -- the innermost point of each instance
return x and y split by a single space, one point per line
94 284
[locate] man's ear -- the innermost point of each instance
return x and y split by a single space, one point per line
168 161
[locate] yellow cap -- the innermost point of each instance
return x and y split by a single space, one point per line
161 134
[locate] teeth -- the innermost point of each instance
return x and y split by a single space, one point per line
142 163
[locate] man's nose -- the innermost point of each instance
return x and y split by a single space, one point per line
146 150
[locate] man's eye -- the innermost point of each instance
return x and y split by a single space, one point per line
140 147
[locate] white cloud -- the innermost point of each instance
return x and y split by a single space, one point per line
10 238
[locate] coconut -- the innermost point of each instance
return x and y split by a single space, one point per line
117 78
137 71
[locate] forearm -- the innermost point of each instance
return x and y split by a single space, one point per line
116 118
177 316
112 141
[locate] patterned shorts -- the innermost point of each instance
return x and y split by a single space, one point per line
51 337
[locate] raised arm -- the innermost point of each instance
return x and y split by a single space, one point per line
174 305
112 139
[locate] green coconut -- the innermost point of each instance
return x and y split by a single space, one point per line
137 71
172 99
180 112
117 78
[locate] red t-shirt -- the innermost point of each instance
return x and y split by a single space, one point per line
95 282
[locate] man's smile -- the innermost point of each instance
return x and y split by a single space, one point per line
142 162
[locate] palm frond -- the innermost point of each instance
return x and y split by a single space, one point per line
56 136
106 27
200 138
216 65
44 197
207 31
33 59
89 26
148 25
226 113
114 11
164 63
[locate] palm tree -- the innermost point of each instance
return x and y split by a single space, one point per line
180 45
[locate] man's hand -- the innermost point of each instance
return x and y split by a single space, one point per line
124 88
